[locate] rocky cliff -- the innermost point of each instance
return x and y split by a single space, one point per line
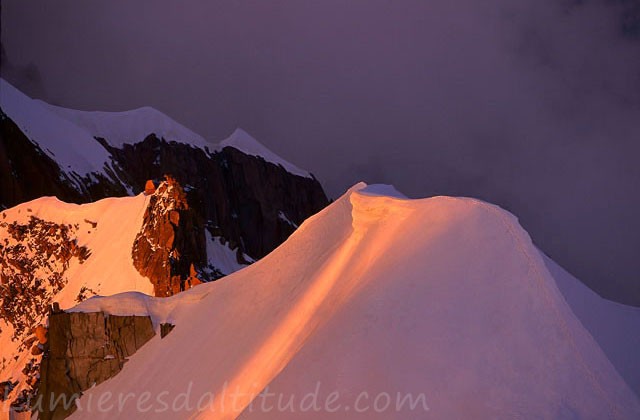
27 172
250 202
83 350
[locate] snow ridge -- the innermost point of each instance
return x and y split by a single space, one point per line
380 293
133 126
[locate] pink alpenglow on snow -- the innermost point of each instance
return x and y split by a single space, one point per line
374 302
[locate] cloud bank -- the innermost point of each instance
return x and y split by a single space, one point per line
531 104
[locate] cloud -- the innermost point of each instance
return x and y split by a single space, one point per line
531 104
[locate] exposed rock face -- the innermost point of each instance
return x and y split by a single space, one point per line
33 259
165 329
84 349
170 242
238 197
5 389
26 172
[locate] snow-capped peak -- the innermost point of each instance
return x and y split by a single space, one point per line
244 142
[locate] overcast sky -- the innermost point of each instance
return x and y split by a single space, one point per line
531 104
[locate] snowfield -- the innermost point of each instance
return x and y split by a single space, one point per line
614 326
375 299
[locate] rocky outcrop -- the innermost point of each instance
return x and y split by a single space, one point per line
83 350
239 202
165 329
34 257
149 187
171 241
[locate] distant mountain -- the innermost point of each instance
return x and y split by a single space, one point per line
440 307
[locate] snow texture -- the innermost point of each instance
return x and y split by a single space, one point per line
107 228
445 297
109 269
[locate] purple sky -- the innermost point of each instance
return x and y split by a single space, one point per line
531 104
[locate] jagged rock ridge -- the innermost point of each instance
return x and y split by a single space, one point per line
171 241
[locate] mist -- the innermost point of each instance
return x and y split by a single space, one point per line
531 104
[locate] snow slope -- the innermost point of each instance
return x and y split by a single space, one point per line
220 256
129 127
373 298
73 147
67 135
109 269
242 141
614 326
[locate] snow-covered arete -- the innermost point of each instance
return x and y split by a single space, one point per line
377 295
